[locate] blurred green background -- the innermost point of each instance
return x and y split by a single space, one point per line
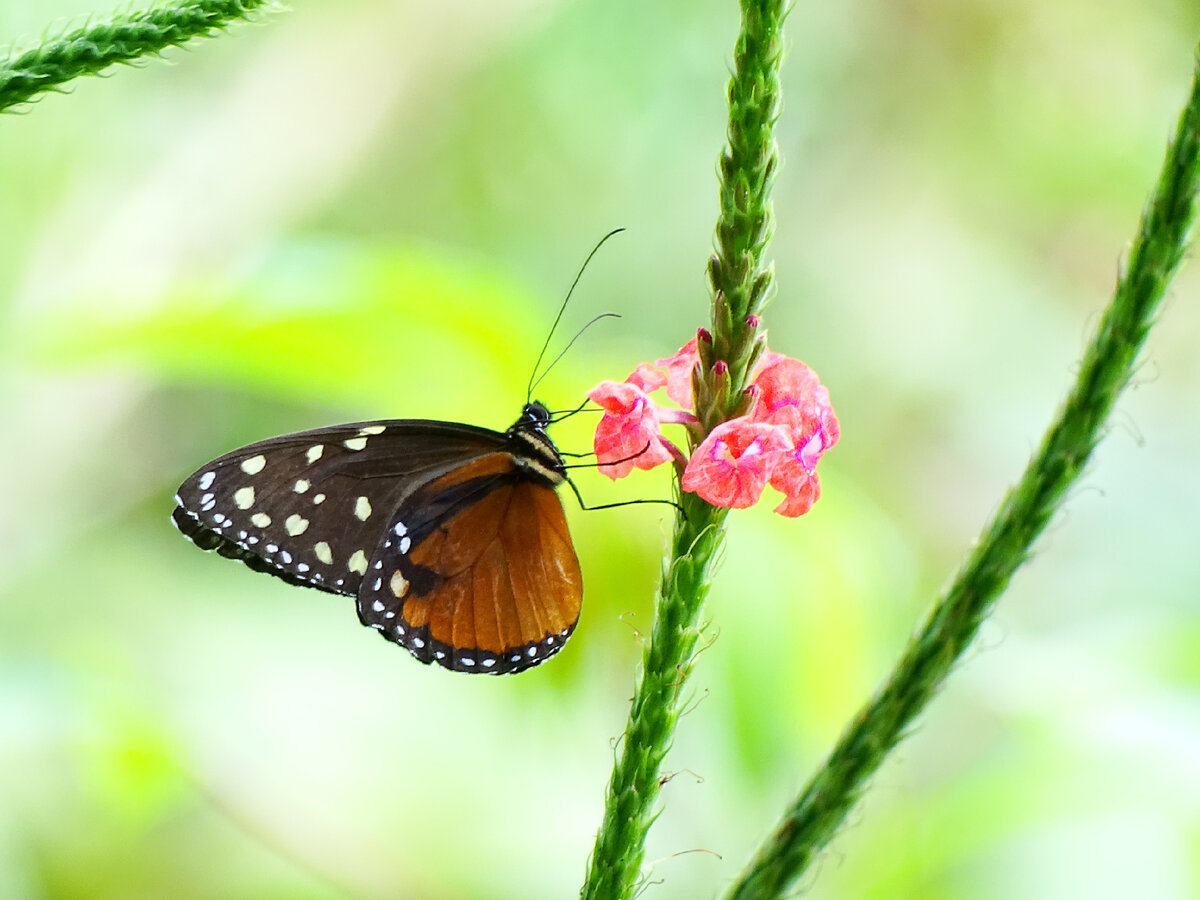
364 209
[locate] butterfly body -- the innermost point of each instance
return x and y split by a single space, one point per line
451 537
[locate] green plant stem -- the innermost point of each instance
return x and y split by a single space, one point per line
1107 365
740 281
122 38
666 663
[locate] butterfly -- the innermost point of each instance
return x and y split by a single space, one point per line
451 537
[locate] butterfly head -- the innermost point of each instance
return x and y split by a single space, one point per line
534 416
532 450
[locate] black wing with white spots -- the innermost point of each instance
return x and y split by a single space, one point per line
313 507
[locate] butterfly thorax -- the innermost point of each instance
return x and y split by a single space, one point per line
532 450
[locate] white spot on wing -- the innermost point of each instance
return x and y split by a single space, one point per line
318 499
244 497
357 562
254 464
322 552
262 520
362 509
373 429
295 524
302 485
398 584
206 480
356 443
314 453
405 543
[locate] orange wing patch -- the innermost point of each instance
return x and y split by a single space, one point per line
508 588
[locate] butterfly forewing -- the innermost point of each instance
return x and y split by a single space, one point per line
312 507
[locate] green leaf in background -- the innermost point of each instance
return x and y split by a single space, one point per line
401 332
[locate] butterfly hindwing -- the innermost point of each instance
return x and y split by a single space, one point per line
489 583
312 507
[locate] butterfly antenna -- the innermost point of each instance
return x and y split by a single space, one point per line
570 343
534 381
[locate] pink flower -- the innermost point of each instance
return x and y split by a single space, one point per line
789 427
629 435
734 463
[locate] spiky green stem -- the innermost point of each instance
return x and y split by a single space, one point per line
740 280
1162 238
740 276
122 38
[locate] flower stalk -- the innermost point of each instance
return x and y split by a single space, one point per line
740 282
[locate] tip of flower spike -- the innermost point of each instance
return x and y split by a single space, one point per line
703 334
752 321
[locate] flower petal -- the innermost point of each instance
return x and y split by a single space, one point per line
679 373
800 494
647 377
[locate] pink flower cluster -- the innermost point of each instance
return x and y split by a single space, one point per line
789 425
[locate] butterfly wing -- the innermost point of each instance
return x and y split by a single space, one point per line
313 507
478 573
